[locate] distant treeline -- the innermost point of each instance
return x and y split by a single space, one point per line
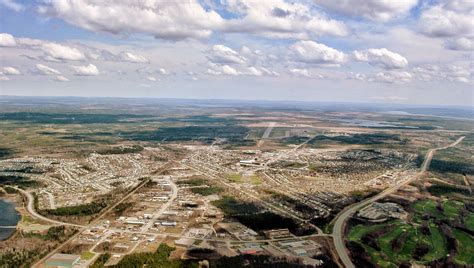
66 118
364 139
122 150
444 166
207 134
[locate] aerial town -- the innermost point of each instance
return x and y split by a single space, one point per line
299 191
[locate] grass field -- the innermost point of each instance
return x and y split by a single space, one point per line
396 242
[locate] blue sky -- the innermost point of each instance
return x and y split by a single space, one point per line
407 51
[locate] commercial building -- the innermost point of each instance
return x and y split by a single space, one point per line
62 261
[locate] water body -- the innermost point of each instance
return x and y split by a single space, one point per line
8 217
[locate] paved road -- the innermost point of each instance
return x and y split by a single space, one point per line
164 207
338 229
103 213
30 207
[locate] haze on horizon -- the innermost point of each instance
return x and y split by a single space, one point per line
407 51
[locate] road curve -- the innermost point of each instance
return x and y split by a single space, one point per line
31 209
338 229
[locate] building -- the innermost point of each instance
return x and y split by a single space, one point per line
62 261
379 212
250 248
277 233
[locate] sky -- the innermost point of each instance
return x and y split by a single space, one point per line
404 51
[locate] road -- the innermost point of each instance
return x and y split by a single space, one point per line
269 129
338 229
96 220
30 207
164 207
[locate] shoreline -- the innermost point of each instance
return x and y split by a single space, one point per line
13 200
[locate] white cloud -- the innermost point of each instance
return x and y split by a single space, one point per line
7 40
195 19
451 73
213 72
280 19
89 70
225 55
11 71
4 78
217 70
61 78
61 52
11 4
130 57
46 70
163 71
357 76
448 19
226 69
152 78
160 18
461 43
300 72
381 57
393 77
254 71
269 72
378 10
316 53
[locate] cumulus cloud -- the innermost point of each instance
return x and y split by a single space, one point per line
11 71
316 53
61 78
88 70
225 55
377 10
61 52
130 57
357 76
280 19
163 71
450 18
46 70
381 57
195 19
461 43
160 18
451 73
7 40
300 72
392 77
12 5
226 69
4 78
151 78
268 72
222 70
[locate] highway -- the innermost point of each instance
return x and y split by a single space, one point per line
338 229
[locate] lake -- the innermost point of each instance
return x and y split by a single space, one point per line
8 217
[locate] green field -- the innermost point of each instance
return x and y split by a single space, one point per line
421 238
